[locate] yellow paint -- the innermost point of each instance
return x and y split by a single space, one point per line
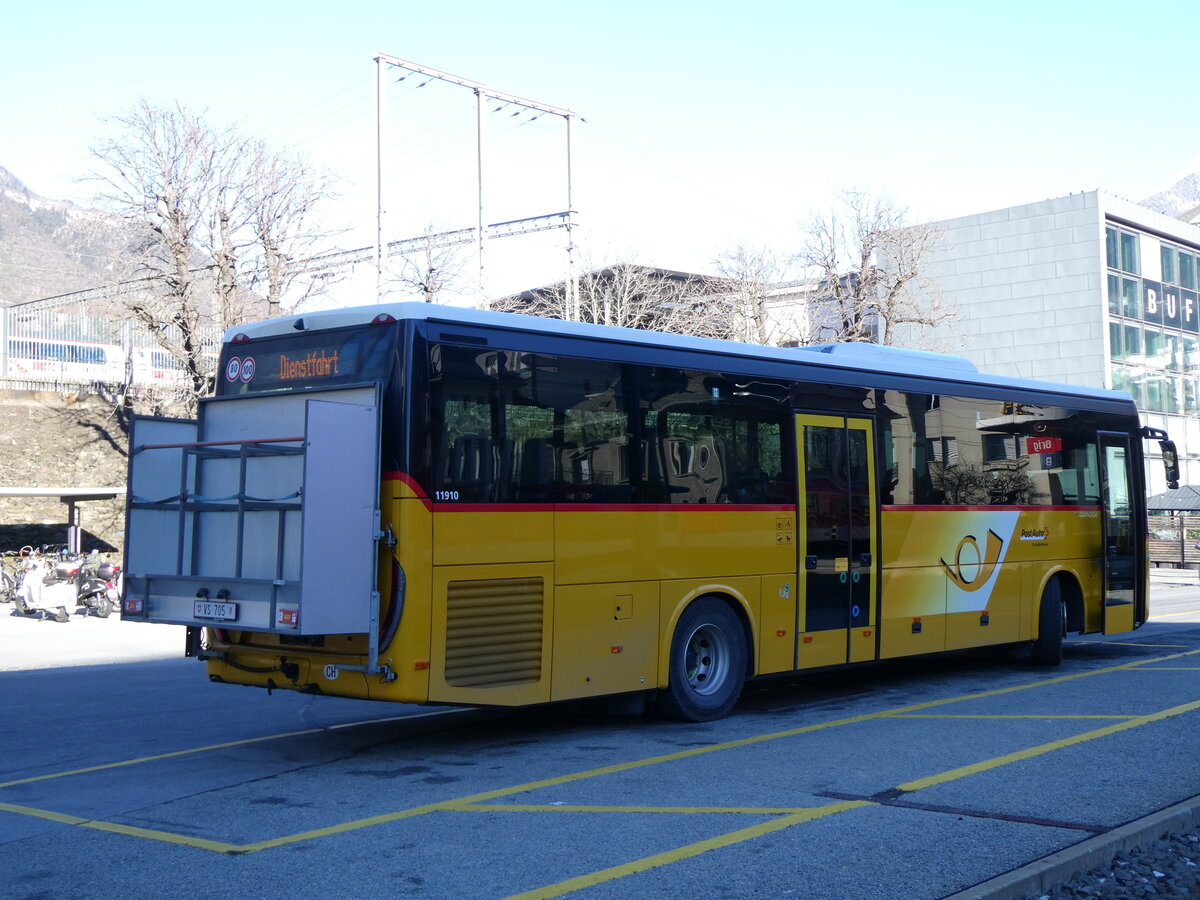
667 544
476 802
1040 749
821 648
687 851
588 621
777 652
1118 619
472 538
520 694
909 594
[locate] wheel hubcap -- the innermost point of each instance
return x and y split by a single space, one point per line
707 659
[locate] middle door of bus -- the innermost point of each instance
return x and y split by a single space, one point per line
837 552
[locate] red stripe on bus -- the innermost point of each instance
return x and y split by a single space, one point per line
584 506
405 479
901 508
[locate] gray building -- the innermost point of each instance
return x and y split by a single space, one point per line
1088 289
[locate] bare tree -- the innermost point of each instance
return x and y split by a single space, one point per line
625 295
756 301
433 268
870 270
218 224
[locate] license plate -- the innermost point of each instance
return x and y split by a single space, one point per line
207 609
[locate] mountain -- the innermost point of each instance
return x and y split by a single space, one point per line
1180 201
50 247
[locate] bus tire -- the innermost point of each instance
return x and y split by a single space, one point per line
1052 626
708 663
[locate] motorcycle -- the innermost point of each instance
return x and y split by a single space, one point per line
99 588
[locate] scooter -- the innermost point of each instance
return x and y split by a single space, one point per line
98 588
42 592
54 586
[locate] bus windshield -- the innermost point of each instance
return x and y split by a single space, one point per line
307 360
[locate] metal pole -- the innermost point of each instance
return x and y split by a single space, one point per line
4 314
572 278
379 245
483 296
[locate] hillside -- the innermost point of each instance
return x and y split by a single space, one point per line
59 440
50 247
1180 201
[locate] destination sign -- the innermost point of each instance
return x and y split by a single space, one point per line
1044 445
313 359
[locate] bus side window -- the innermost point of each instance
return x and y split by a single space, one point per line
710 438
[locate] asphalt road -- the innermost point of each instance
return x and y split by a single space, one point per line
910 780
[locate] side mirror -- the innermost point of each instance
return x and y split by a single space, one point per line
1170 462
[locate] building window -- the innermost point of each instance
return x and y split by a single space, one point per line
1178 266
1170 269
1121 250
1129 253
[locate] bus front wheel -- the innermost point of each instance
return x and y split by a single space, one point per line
1052 626
708 663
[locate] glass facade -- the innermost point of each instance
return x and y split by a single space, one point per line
1154 326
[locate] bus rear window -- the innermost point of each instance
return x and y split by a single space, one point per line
316 359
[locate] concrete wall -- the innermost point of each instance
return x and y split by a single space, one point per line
1021 279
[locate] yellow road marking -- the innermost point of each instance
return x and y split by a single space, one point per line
1043 718
1190 612
173 755
1030 752
163 836
673 810
1129 644
685 852
463 803
225 746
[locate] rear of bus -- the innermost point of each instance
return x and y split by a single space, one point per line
258 524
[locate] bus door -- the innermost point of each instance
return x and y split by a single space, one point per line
1119 548
837 514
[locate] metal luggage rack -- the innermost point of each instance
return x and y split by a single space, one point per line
190 505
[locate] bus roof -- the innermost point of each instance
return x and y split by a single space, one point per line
855 357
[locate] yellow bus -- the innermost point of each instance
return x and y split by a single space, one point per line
424 504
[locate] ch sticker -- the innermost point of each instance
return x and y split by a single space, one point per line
972 569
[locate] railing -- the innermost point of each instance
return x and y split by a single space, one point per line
1174 539
59 344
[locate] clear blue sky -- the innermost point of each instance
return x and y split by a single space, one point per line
706 124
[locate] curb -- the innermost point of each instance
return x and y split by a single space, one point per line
1058 868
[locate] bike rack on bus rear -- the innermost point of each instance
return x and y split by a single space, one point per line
262 515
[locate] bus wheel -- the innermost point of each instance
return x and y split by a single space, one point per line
708 663
1052 626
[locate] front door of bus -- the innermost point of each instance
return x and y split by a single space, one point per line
1120 552
837 503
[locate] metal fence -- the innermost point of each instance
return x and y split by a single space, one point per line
64 341
1175 540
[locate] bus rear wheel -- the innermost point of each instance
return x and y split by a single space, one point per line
1052 626
708 663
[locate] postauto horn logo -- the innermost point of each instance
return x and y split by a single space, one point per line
972 569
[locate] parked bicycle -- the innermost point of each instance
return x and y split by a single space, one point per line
11 566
